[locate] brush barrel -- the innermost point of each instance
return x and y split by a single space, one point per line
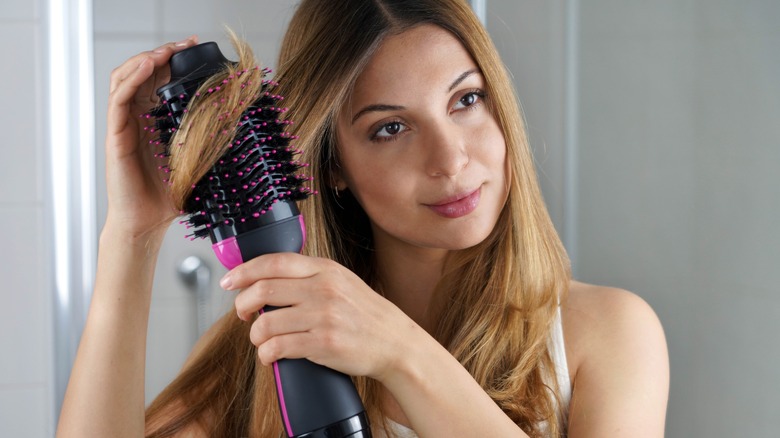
315 401
189 69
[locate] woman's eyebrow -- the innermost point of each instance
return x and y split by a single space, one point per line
462 78
376 107
384 107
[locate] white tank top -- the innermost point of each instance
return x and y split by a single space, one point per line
558 352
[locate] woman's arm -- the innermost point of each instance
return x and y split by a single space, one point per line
621 380
439 397
336 320
621 364
105 395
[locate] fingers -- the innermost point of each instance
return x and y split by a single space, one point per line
288 333
288 346
138 77
159 56
122 95
163 75
326 309
278 265
271 292
132 78
277 322
285 279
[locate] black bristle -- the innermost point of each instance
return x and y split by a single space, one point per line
258 169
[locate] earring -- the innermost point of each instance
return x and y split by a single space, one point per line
336 189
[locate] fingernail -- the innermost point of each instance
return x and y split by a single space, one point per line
226 283
183 42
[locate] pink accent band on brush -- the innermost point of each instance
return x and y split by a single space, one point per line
228 253
303 231
279 391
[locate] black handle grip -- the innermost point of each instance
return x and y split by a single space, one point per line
315 401
314 398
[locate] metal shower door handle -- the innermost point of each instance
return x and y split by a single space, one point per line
196 274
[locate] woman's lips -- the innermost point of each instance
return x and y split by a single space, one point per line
457 206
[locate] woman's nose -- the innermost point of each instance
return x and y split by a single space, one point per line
446 150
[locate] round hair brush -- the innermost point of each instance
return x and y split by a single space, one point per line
246 204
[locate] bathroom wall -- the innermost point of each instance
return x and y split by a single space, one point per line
26 389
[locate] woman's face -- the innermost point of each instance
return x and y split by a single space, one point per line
419 148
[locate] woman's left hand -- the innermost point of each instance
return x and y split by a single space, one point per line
328 315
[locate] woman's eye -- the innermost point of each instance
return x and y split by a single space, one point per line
388 131
468 100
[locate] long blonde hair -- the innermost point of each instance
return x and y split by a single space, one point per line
497 300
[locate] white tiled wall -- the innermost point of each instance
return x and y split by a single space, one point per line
25 324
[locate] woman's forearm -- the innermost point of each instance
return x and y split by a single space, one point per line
440 398
105 395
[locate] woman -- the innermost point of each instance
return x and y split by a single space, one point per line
432 271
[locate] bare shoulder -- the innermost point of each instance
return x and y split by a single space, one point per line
618 361
599 317
589 298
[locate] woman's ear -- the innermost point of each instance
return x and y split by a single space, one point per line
334 174
335 179
338 185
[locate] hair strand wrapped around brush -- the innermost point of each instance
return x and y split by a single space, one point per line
230 159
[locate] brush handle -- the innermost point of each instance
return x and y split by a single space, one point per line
315 401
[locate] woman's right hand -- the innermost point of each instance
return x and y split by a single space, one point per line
138 202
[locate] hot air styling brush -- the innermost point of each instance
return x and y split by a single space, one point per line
245 202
